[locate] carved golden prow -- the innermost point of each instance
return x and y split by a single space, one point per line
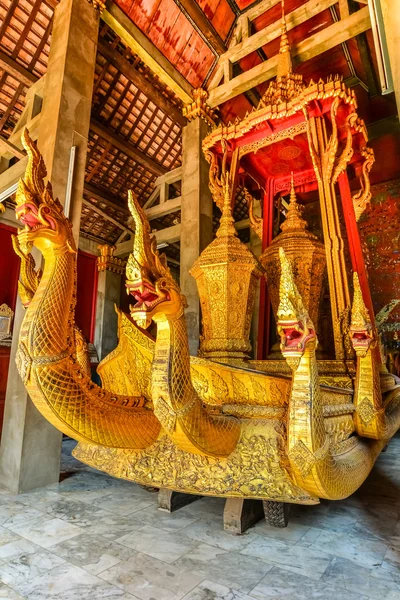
322 468
176 402
46 357
373 418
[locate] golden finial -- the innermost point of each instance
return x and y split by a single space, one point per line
226 223
359 312
284 58
293 219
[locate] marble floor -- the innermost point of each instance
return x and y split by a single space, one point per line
93 537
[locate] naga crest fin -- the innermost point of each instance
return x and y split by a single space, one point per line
361 328
36 198
145 255
359 312
290 301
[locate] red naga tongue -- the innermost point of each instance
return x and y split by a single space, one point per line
29 219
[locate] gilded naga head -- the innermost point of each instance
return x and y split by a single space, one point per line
295 327
45 225
361 330
148 278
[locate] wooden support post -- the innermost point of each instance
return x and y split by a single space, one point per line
240 514
169 501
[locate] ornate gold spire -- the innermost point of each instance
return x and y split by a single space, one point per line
293 219
287 84
284 59
226 223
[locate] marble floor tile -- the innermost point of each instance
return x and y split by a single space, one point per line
212 533
232 569
67 582
208 590
12 513
27 564
293 534
15 548
89 486
6 593
126 502
375 583
324 516
37 498
299 559
150 579
279 584
76 512
205 508
391 560
7 536
94 553
113 527
46 531
362 550
161 519
153 542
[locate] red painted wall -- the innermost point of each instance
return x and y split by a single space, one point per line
85 312
9 273
9 267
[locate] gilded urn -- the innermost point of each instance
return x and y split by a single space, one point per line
306 255
226 274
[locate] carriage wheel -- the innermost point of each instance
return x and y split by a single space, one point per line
276 513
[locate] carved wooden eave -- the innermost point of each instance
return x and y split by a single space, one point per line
314 92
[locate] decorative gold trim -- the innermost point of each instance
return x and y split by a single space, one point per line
98 5
199 108
6 317
108 262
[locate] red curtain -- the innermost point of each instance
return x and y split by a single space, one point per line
85 313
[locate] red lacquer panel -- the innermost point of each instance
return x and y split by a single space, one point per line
380 231
172 33
9 273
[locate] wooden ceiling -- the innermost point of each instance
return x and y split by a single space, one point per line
136 125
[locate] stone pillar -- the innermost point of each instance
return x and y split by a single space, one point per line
391 21
30 446
196 218
108 294
67 99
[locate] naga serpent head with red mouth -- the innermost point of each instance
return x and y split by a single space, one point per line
295 327
361 330
148 278
45 225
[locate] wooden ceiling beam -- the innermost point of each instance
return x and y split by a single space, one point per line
316 44
202 25
147 51
127 147
103 195
16 70
141 82
106 216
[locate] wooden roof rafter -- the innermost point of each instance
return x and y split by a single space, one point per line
312 46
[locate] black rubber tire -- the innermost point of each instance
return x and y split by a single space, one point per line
276 513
